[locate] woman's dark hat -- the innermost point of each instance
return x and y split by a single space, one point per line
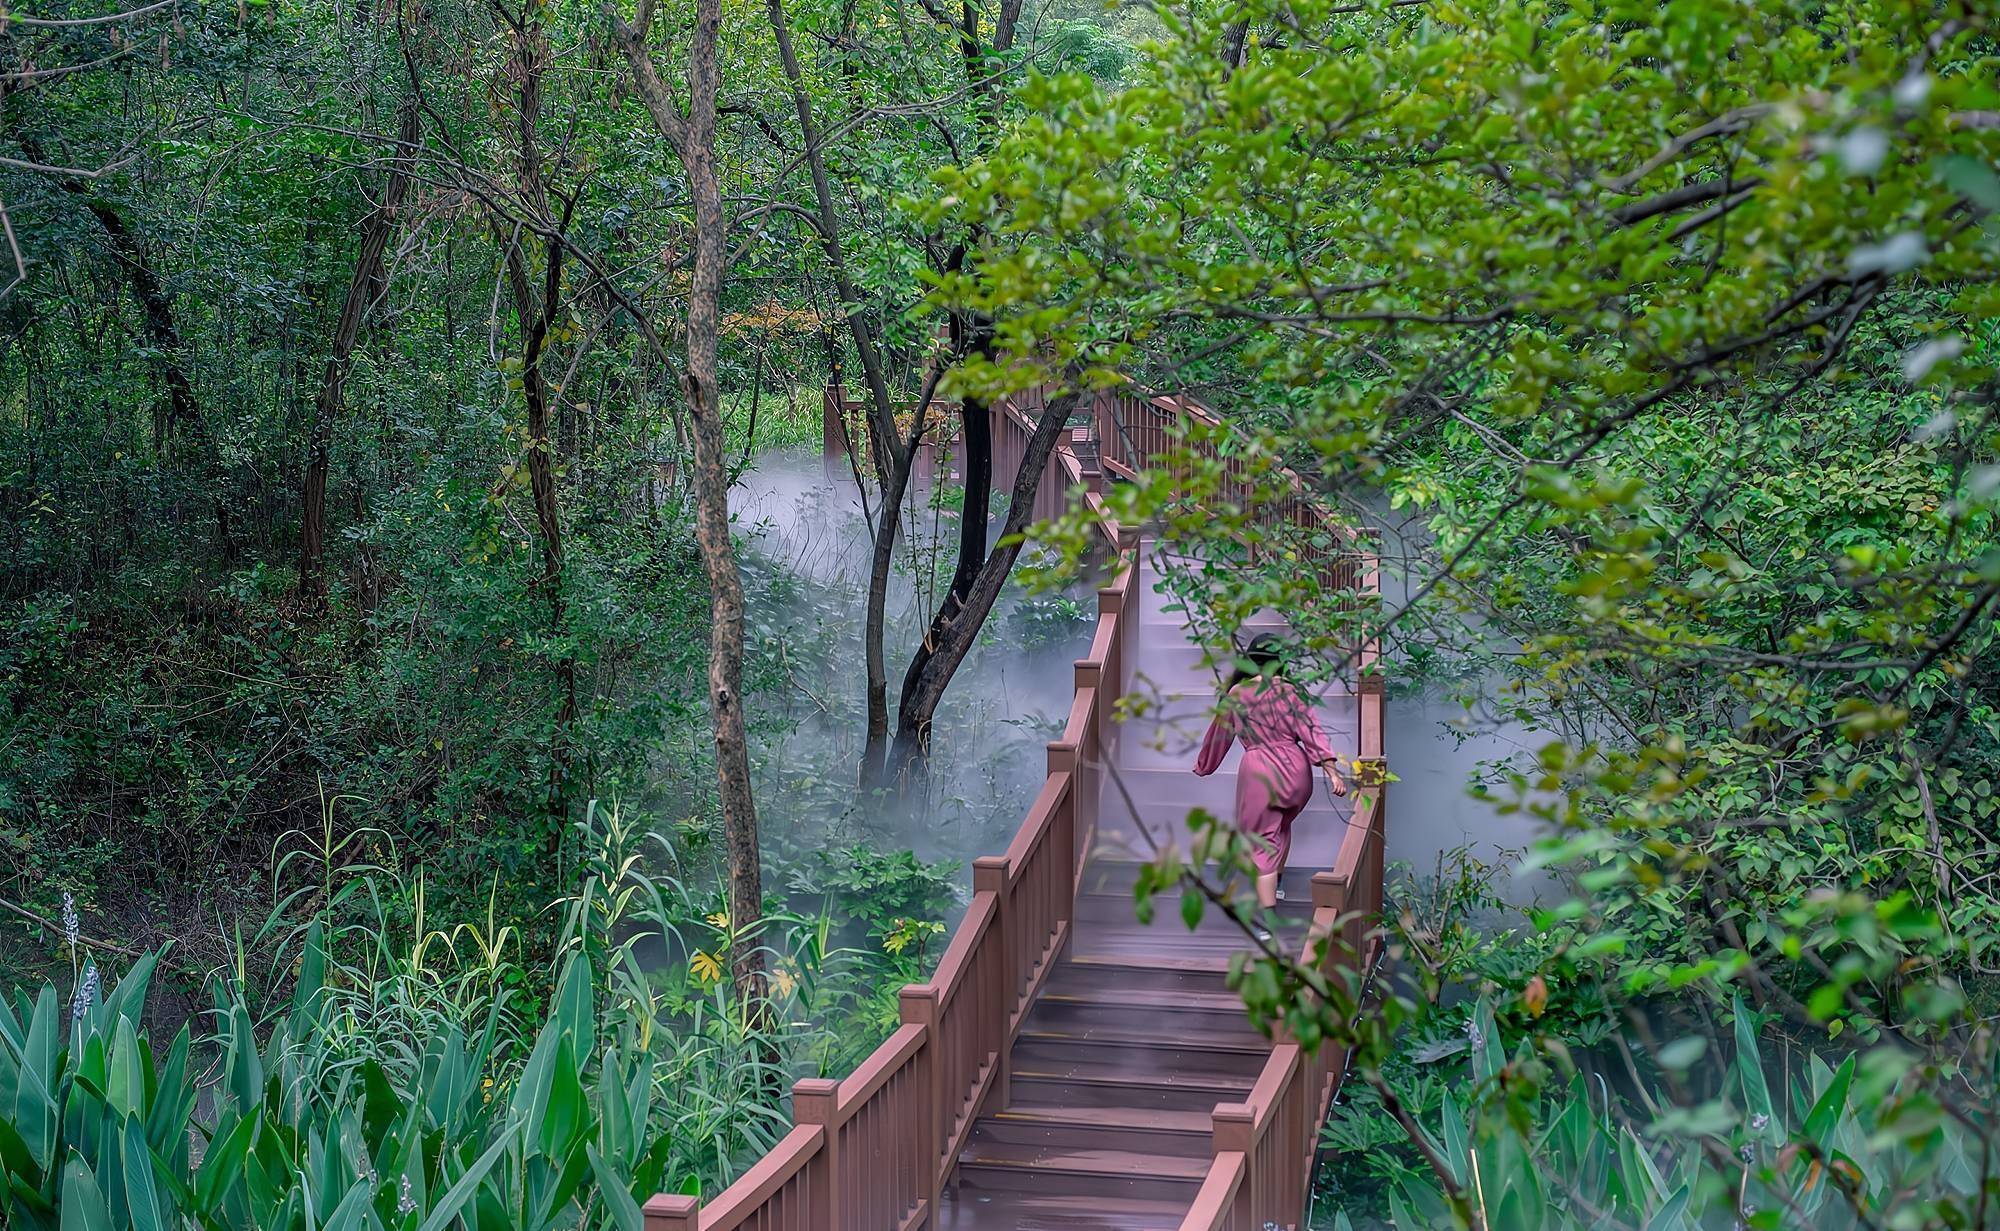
1266 648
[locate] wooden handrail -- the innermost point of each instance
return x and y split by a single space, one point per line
882 1064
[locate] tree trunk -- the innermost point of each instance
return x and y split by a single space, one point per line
182 411
956 625
1235 42
693 137
893 456
363 290
537 312
976 434
962 614
875 629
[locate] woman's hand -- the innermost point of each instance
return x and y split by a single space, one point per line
1334 782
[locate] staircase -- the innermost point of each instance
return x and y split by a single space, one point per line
1116 1073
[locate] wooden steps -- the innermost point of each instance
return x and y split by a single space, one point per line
1108 1170
980 1210
1116 1071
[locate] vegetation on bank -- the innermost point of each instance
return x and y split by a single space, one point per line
392 1072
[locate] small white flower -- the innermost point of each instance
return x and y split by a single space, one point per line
69 920
1758 1121
1746 1153
86 991
405 1203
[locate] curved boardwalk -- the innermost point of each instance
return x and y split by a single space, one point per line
1067 1067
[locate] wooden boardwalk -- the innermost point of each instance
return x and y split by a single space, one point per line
1135 1039
1068 1068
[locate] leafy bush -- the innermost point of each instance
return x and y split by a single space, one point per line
875 888
1857 1144
103 1132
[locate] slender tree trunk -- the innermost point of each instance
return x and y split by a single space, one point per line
182 411
537 311
956 625
693 136
974 584
893 456
1235 42
363 290
976 435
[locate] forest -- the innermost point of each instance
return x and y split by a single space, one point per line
548 547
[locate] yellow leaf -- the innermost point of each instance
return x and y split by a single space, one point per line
707 967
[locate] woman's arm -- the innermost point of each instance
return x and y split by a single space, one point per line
1305 729
1214 746
1313 740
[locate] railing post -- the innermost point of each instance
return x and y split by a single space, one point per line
917 1004
816 1100
1330 896
1234 1130
1378 855
1087 776
1062 757
1329 890
990 875
672 1213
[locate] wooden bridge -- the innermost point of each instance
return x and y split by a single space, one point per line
1067 1068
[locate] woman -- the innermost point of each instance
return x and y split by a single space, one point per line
1281 744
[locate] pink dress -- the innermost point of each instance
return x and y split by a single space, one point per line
1281 744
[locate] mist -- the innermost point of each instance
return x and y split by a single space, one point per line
1449 726
806 572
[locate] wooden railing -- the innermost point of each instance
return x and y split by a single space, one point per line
873 1151
1138 430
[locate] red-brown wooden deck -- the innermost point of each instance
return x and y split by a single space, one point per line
1067 1068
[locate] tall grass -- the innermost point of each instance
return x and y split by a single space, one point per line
413 1077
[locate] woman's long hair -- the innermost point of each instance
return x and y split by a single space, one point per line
1266 652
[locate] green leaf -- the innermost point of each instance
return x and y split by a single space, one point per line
142 1196
624 1211
83 1204
1826 1113
1673 1215
1750 1075
462 1189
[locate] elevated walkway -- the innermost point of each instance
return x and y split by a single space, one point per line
1068 1068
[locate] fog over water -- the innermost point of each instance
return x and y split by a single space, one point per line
807 569
1448 726
807 566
